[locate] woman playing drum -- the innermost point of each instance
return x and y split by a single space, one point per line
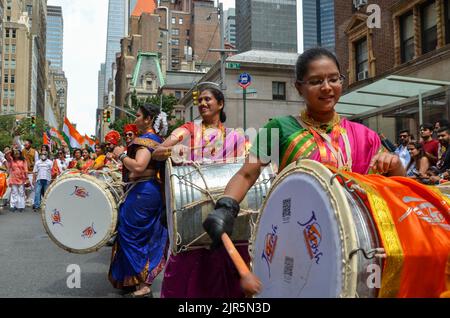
317 133
204 272
138 254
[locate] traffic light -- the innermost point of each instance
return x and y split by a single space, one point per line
106 116
33 121
195 97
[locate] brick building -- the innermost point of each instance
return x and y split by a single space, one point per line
398 75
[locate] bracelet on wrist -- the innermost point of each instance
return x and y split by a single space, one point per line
122 156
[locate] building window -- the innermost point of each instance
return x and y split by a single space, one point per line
7 33
161 34
447 21
176 32
13 48
180 21
13 33
6 49
178 95
362 60
175 42
188 31
13 64
5 78
407 37
13 79
174 20
160 44
279 90
429 27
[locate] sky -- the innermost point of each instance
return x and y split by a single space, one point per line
85 24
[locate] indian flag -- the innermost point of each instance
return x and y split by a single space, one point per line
71 135
88 141
56 134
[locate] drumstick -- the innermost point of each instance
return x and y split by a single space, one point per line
249 282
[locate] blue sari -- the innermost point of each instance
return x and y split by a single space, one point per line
138 253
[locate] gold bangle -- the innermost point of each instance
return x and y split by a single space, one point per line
168 152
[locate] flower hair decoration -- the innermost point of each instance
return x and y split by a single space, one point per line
161 127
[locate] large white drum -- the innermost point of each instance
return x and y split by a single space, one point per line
190 191
309 237
79 211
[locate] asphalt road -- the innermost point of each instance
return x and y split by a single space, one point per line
32 265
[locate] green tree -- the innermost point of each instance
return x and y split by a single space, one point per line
10 127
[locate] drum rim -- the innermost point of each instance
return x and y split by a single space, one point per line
110 229
344 220
170 207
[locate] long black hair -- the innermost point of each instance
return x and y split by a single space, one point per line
218 95
303 61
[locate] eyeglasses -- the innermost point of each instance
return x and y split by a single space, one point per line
334 80
129 134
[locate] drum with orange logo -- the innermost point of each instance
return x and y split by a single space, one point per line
326 234
79 211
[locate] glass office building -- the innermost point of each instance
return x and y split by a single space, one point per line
55 36
318 24
266 25
117 29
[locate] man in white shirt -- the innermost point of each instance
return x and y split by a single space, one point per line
42 176
402 149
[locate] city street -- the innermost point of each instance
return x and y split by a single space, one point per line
33 266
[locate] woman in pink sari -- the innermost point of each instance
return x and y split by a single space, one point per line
317 133
204 273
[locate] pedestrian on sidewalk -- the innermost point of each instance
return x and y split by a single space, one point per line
42 176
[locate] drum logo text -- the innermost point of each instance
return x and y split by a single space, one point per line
313 237
56 217
80 192
424 211
270 244
89 232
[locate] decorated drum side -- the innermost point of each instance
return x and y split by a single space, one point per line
305 233
189 189
79 212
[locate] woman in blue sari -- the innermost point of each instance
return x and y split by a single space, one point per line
138 254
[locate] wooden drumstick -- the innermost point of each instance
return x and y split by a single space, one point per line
250 283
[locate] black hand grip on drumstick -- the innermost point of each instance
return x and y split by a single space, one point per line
249 282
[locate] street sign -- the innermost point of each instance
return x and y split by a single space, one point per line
248 91
233 66
245 80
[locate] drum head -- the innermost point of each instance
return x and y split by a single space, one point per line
78 213
303 237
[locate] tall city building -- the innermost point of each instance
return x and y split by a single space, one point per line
266 25
2 7
23 57
55 33
117 29
230 26
101 81
318 24
37 11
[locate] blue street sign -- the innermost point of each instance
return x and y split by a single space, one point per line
245 80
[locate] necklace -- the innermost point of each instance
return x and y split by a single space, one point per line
319 131
311 122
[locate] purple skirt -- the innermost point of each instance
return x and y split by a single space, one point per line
203 273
